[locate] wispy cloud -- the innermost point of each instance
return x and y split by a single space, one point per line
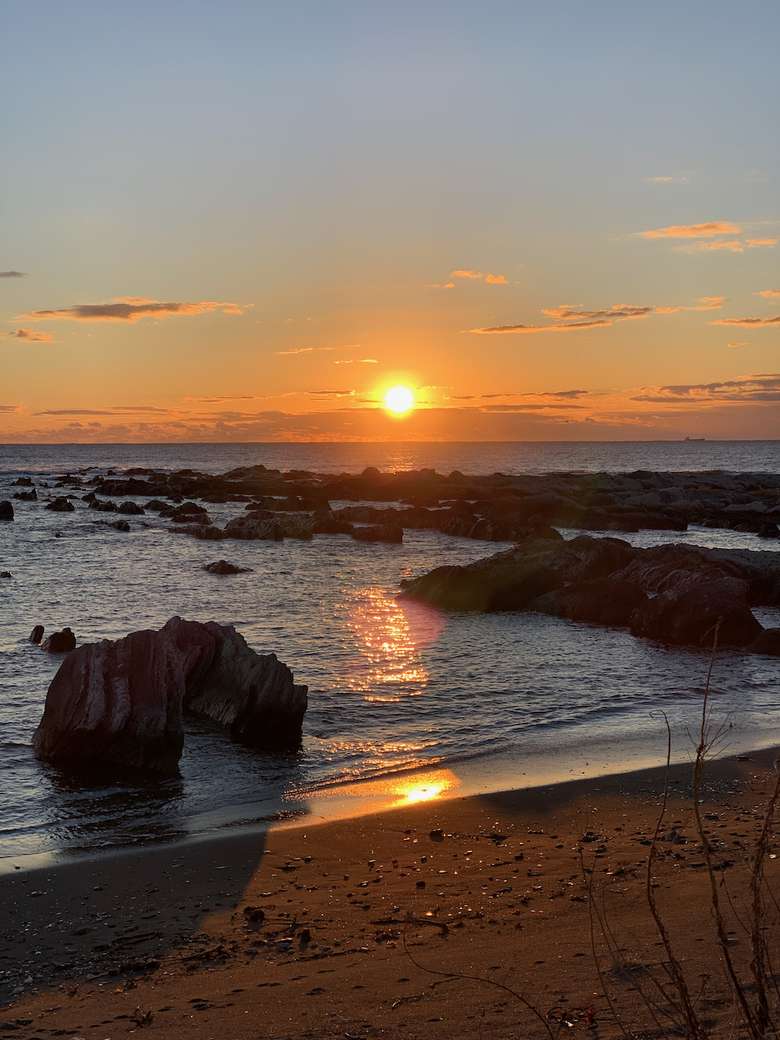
738 344
467 274
295 351
769 294
615 313
31 335
667 179
12 274
4 408
132 309
763 388
357 361
711 229
730 245
529 330
749 323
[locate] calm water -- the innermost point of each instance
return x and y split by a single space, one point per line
476 700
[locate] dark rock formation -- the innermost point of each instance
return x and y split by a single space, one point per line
120 525
768 643
118 704
60 505
37 635
102 505
60 642
224 567
268 526
379 533
23 482
675 594
26 496
6 510
5 574
130 509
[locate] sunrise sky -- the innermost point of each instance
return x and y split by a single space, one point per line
246 221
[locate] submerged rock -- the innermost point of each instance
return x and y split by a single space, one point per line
60 642
379 533
26 496
118 704
37 634
224 567
6 510
60 505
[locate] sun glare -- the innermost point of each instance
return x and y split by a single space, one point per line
399 400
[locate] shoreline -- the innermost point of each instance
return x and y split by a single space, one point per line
299 931
442 782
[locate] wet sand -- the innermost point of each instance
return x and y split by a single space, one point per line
353 928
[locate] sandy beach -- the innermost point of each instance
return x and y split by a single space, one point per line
367 927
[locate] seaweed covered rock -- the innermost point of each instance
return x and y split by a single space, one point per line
118 705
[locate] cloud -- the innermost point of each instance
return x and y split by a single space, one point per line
681 179
749 323
219 400
476 276
330 393
769 294
120 409
731 245
616 312
739 343
442 285
303 350
9 408
12 274
357 361
132 309
32 335
763 388
711 229
528 330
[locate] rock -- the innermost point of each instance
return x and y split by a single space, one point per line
6 510
189 513
675 594
60 642
60 505
768 642
253 526
6 574
603 601
205 532
688 617
37 634
118 704
379 533
768 530
27 496
102 505
23 482
223 567
120 525
130 509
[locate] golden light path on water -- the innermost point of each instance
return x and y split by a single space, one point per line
390 633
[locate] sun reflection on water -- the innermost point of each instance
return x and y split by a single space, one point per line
424 788
390 634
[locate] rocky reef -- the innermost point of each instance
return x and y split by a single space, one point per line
118 705
675 594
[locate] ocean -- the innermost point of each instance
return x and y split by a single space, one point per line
405 702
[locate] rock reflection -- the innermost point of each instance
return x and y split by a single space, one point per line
390 635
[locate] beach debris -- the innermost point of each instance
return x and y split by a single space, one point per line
118 704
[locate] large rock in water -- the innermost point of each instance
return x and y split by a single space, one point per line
118 705
675 594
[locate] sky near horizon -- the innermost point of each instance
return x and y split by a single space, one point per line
246 221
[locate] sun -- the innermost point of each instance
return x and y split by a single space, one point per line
399 400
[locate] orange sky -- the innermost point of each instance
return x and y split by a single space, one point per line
248 228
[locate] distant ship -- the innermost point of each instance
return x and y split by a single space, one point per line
695 440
